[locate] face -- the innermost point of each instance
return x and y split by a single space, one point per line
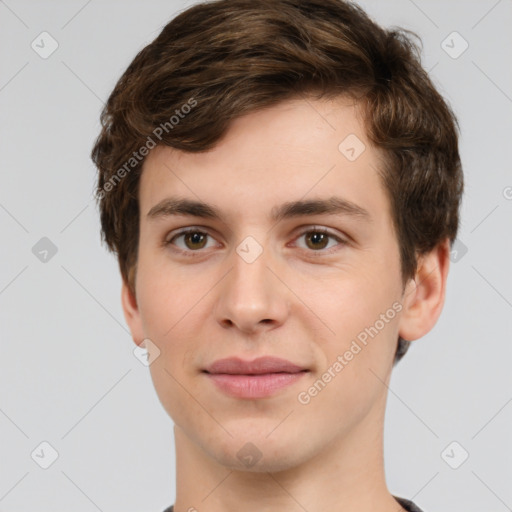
269 315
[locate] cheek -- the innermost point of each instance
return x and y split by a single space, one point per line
357 362
350 302
362 311
173 307
169 312
166 295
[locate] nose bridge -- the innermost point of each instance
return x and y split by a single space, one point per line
251 295
250 265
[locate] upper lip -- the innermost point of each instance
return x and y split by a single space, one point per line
259 366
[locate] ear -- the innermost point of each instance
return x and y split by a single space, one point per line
131 314
424 295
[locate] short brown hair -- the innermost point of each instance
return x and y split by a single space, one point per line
232 57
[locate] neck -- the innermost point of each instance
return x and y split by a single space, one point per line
348 476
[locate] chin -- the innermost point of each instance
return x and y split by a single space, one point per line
266 464
254 452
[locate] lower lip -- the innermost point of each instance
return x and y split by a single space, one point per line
254 386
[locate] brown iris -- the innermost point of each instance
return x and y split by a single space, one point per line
197 239
316 237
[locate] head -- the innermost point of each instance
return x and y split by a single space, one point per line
249 105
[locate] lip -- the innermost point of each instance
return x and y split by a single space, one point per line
259 378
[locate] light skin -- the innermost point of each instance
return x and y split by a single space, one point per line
305 298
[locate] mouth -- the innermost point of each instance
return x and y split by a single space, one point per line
259 378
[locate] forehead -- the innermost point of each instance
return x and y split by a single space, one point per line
298 149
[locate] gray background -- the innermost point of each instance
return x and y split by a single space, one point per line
68 375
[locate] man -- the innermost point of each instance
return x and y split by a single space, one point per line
281 183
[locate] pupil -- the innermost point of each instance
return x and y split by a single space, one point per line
195 238
318 237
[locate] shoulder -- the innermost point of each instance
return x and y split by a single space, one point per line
407 504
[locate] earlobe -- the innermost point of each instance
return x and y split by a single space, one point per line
424 296
131 313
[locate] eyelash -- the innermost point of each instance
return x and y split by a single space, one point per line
310 230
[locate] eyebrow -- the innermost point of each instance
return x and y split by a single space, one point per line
330 206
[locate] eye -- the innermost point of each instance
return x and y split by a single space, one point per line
317 239
192 238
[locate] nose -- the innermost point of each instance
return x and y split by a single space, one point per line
253 296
